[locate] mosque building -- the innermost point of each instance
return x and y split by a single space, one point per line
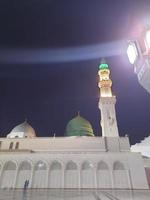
79 160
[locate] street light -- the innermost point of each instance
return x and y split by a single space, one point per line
132 52
138 52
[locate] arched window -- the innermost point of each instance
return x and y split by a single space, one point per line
71 166
56 166
71 175
102 166
8 175
17 145
40 166
39 177
87 175
24 175
147 170
118 166
55 175
10 165
120 174
25 165
11 146
103 175
87 166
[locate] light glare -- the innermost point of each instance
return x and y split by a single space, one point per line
63 54
148 39
132 53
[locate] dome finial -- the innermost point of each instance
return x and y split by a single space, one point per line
103 64
103 61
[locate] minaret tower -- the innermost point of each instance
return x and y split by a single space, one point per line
107 102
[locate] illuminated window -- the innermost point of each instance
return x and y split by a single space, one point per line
132 52
148 39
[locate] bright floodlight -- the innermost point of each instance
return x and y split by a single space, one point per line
148 39
132 52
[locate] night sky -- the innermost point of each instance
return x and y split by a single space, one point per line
49 93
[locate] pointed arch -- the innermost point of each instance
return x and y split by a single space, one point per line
24 174
87 175
71 178
55 175
103 175
120 175
8 174
39 175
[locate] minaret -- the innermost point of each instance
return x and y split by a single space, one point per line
107 102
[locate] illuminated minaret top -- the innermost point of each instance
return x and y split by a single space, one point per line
105 82
107 102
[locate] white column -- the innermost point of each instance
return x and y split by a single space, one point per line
16 176
31 179
129 179
63 177
79 174
95 176
47 175
1 174
112 178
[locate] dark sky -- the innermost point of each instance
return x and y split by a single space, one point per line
49 94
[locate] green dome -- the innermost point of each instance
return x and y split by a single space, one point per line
103 66
79 126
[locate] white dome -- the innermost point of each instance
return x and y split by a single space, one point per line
23 130
143 147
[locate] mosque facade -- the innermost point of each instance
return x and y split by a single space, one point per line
79 160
